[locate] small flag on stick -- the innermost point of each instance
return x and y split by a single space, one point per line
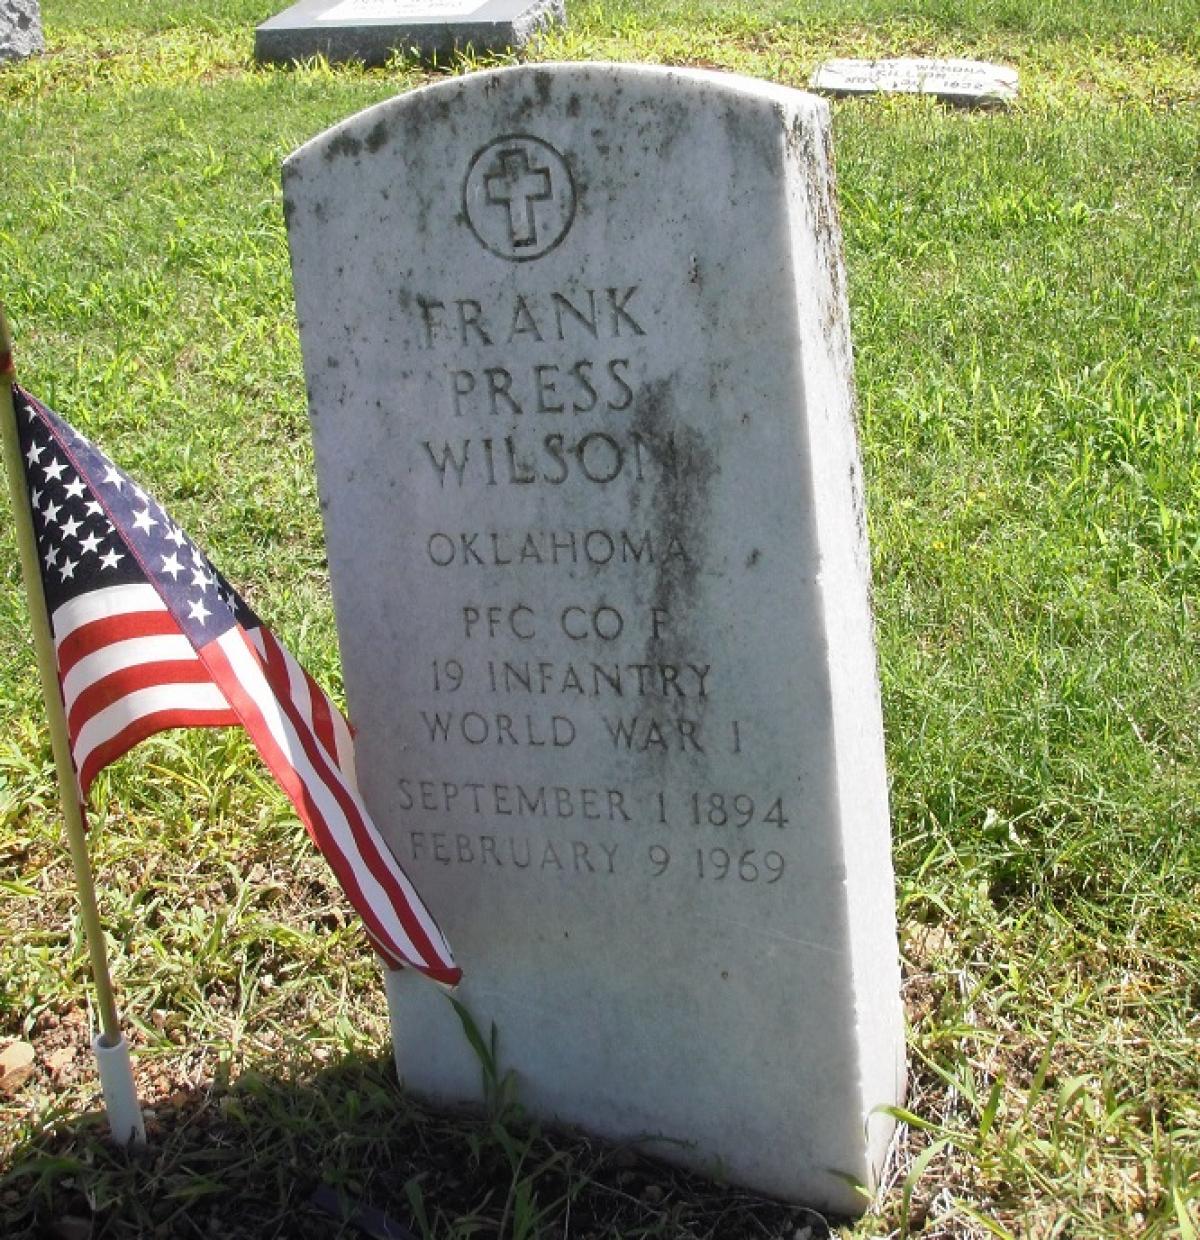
148 635
109 1045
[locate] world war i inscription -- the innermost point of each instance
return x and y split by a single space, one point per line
579 375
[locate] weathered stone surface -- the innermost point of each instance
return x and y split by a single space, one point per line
17 1061
373 30
966 82
579 375
20 29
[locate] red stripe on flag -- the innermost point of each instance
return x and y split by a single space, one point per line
367 846
429 958
322 719
119 745
110 689
97 634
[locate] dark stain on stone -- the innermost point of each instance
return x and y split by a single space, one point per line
810 147
343 144
378 136
680 508
859 501
753 558
574 106
750 138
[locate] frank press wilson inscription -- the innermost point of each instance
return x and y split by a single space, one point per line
579 383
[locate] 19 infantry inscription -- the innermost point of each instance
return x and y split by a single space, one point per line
579 379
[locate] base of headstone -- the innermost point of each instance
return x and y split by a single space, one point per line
20 29
967 83
372 31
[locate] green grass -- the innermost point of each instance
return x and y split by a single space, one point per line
1025 292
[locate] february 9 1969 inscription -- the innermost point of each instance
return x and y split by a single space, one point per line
579 377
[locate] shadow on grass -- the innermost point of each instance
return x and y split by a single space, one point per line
343 1151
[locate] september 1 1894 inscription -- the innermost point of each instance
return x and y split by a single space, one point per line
579 376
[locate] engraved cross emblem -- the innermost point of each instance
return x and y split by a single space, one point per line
517 185
518 197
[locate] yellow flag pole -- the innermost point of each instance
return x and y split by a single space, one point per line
111 1049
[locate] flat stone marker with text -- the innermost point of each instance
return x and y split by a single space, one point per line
579 374
371 31
964 82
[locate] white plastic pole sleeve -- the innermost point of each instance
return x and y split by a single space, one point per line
120 1095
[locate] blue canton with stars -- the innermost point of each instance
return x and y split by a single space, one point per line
97 528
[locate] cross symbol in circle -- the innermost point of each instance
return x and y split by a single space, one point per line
517 185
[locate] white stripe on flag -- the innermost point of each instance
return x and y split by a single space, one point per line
117 656
114 719
252 680
103 604
301 693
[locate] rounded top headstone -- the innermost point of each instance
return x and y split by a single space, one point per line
579 375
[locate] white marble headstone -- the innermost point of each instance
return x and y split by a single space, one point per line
580 385
20 29
954 80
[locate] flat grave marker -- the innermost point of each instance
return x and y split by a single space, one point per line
373 30
20 29
579 373
963 82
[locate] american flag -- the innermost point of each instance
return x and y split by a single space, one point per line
148 635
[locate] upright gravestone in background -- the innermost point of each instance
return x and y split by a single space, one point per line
20 29
373 30
580 385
